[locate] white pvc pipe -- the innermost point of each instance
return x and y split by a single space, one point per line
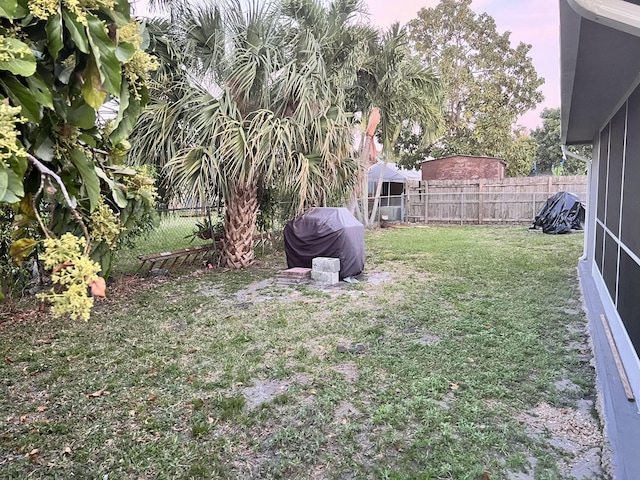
566 151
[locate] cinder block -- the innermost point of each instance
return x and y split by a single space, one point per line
327 278
326 264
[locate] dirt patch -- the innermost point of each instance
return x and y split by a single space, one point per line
574 432
250 290
344 410
349 370
263 392
376 278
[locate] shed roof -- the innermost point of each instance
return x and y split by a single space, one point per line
393 173
599 62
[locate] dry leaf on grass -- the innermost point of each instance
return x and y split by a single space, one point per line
41 408
99 393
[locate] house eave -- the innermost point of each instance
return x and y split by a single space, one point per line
600 61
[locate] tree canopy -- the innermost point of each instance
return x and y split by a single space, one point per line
488 83
549 156
62 173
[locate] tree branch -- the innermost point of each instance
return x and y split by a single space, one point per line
44 170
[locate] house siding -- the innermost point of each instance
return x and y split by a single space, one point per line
617 230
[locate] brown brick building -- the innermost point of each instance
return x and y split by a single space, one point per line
463 167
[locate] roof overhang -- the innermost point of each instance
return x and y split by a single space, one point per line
599 62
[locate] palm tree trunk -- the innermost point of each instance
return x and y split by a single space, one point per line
239 225
376 202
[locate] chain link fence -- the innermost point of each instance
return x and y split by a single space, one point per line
185 228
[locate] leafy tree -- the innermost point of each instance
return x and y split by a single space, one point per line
549 156
61 164
248 103
488 83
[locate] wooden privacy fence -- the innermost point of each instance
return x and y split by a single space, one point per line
511 200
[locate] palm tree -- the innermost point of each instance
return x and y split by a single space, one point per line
406 94
249 102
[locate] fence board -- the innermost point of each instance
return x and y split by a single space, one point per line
511 200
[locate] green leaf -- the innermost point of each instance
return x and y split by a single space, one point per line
21 249
123 7
22 10
14 189
44 151
81 115
89 178
21 96
40 91
125 51
116 188
88 139
18 165
4 180
128 113
76 31
92 89
20 59
104 53
8 9
54 35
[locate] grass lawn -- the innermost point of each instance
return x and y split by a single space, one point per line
475 365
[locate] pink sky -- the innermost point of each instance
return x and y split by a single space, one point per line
530 21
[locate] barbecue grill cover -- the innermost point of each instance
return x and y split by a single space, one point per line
326 232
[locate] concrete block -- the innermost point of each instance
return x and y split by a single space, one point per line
325 264
327 278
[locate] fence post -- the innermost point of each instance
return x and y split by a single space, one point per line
480 201
426 201
462 212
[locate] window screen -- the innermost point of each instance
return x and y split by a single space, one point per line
631 197
614 179
599 240
602 171
629 298
610 264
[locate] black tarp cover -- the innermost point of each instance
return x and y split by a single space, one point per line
326 232
561 213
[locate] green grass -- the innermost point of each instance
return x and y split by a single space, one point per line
471 329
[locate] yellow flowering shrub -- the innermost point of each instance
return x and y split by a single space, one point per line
72 275
9 144
44 9
104 225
